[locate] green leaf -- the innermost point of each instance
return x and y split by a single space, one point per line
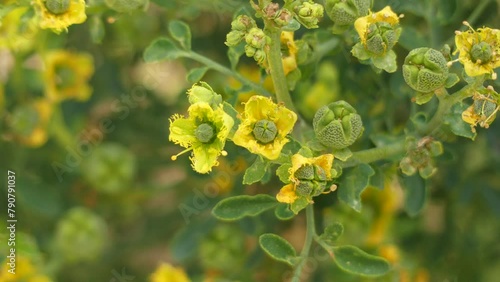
277 248
234 54
237 207
332 233
299 204
356 261
353 183
387 62
415 191
180 31
161 49
377 180
359 51
411 38
283 212
196 74
283 172
451 80
456 123
292 25
256 171
342 154
422 98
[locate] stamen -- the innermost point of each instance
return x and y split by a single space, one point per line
174 157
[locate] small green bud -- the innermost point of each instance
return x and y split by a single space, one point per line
407 166
57 7
481 53
256 38
234 37
205 133
250 51
283 17
345 12
202 92
337 125
265 131
243 23
309 14
425 69
260 56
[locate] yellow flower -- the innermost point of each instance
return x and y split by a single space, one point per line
168 273
204 132
30 122
25 271
289 56
479 51
264 127
307 178
15 34
66 75
483 110
56 16
362 24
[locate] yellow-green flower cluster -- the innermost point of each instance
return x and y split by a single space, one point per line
479 50
307 178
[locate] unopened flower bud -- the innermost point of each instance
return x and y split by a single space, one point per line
242 23
425 70
257 38
337 125
202 92
344 12
309 14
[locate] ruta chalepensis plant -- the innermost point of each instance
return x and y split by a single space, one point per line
314 158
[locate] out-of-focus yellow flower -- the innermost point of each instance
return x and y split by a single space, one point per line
16 34
66 75
264 127
25 272
59 14
204 132
290 51
362 24
167 273
308 177
479 51
30 122
390 253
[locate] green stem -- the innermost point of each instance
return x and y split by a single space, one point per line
226 71
375 154
276 69
445 104
310 234
59 130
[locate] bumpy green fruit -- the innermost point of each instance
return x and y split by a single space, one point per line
425 70
337 125
345 12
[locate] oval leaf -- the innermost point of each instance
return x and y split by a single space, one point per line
277 247
415 192
196 74
356 261
256 171
237 207
283 212
180 31
161 49
353 183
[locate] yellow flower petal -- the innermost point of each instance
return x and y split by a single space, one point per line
287 194
59 22
182 131
168 273
261 108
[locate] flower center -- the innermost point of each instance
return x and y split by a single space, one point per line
57 7
481 53
205 133
265 131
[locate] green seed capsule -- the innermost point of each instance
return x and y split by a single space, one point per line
205 133
265 131
57 7
481 53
